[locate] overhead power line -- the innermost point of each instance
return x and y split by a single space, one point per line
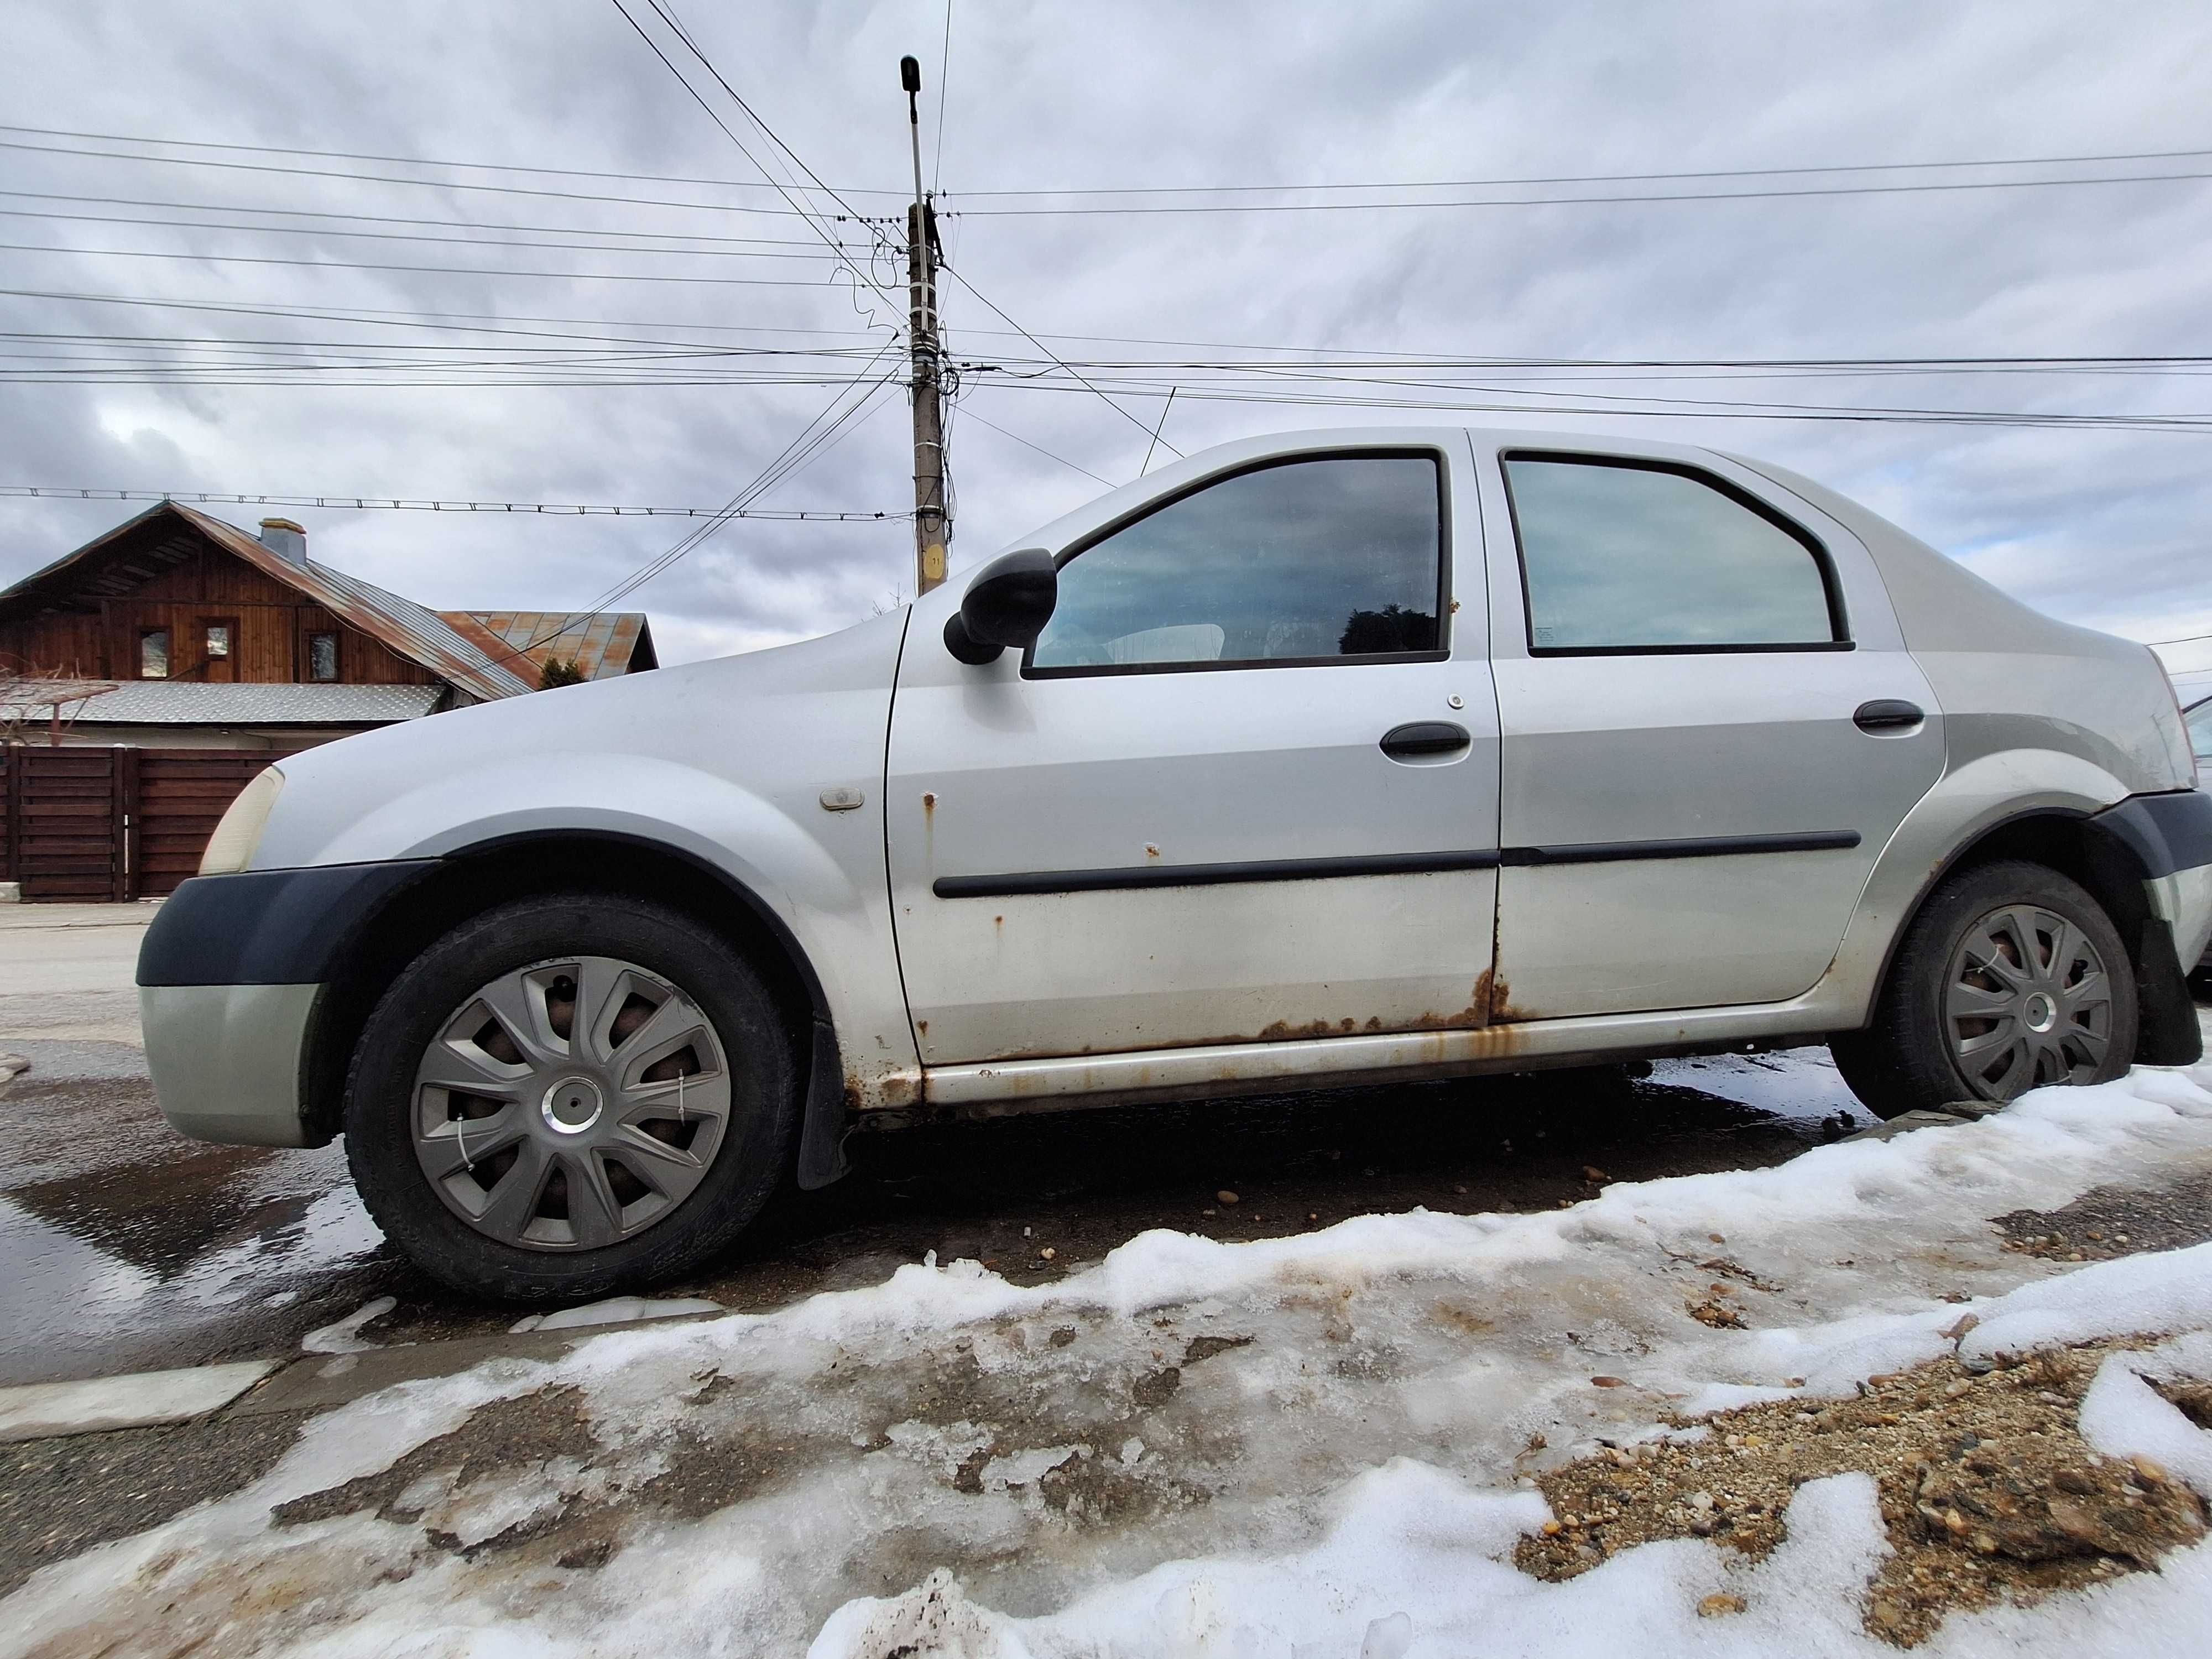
1503 401
1047 351
1603 178
970 414
814 439
372 503
420 183
401 160
516 324
944 79
443 321
443 270
1635 198
444 222
1678 175
758 250
795 204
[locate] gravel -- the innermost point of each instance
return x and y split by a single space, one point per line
1987 1490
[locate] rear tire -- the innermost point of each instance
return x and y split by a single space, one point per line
2011 977
562 1166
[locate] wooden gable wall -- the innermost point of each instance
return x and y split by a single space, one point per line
271 622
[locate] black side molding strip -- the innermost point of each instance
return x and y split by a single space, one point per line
1206 875
1386 864
1702 846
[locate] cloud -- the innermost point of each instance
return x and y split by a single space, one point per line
2104 527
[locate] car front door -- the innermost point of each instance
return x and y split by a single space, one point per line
1710 727
1243 787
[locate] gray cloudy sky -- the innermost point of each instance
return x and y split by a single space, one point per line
2105 526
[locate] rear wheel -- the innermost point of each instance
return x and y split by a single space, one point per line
2012 977
569 1095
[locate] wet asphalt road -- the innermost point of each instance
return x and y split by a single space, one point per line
126 1247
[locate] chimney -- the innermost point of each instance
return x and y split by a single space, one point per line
285 539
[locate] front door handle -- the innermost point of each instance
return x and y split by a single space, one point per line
1425 737
1887 715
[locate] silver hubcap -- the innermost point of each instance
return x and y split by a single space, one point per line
2029 1003
571 1105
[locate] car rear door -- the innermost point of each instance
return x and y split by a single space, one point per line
1709 724
1182 817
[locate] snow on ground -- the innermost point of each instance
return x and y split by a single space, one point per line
1304 1446
616 1310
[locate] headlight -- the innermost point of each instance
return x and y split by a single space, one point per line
230 849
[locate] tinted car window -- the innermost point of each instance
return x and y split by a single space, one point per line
1642 558
1302 561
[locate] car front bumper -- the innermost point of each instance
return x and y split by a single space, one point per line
229 979
227 1059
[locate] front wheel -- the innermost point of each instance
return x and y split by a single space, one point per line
569 1095
2012 977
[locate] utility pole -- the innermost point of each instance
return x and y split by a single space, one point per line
932 526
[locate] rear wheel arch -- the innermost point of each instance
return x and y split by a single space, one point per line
2075 845
470 882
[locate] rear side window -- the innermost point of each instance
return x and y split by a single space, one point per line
1302 561
1644 558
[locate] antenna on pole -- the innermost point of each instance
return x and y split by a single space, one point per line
932 524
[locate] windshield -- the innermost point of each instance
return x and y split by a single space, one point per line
2199 717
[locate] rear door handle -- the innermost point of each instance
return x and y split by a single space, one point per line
1887 715
1425 737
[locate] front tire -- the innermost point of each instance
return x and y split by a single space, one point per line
570 1096
2011 977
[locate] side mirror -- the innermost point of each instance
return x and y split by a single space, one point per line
1008 603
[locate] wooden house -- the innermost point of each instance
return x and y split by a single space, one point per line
180 655
214 638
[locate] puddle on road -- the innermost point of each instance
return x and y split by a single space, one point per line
139 1250
56 1283
1796 1085
140 1265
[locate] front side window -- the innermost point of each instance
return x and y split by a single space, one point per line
1628 557
154 655
1301 562
322 656
218 640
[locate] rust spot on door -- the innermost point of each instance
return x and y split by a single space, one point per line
1282 1031
928 802
1502 1010
1476 1014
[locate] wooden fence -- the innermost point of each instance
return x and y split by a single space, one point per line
89 824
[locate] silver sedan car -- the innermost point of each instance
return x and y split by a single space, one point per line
1332 758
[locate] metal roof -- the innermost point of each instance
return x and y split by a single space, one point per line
479 651
182 702
602 643
414 631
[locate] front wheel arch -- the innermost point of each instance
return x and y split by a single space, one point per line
472 880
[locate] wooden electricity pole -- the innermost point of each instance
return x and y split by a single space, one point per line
932 524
